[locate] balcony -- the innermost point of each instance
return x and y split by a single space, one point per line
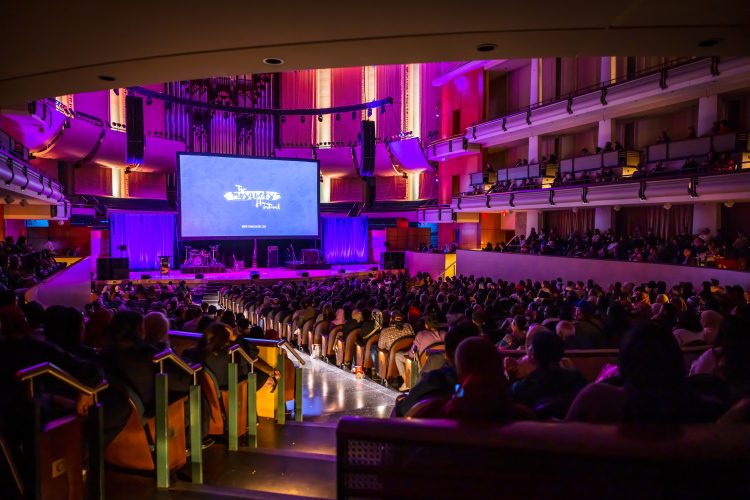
680 82
450 148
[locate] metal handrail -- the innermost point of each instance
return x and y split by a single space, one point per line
237 349
32 372
285 344
445 271
169 354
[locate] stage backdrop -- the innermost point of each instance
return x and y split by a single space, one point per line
345 240
144 236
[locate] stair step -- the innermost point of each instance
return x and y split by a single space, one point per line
190 490
298 438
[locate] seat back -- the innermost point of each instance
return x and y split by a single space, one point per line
387 360
580 461
304 331
61 458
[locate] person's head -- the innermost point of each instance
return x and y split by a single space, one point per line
156 329
431 323
457 334
476 358
357 316
243 324
34 312
216 337
126 328
63 326
519 324
711 323
228 318
97 327
397 319
584 311
565 329
546 349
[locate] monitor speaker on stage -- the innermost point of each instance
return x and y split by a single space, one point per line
111 268
199 276
303 274
254 275
273 256
367 148
134 130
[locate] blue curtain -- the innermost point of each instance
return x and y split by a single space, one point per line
143 236
345 240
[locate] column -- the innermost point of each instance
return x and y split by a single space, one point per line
708 113
533 155
603 218
608 69
535 87
706 215
605 132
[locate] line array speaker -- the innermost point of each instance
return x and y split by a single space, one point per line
134 129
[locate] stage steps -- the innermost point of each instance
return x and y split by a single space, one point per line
210 290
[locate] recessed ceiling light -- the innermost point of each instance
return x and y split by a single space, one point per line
486 47
709 42
107 78
273 61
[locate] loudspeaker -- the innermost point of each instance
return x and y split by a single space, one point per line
145 276
254 275
303 274
273 257
369 191
134 130
367 148
342 271
111 268
199 276
392 260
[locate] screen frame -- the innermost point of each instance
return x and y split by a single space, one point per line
178 186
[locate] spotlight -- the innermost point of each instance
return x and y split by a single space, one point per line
354 115
667 206
24 202
338 117
302 119
486 47
9 200
369 112
283 119
729 203
149 102
273 61
107 78
128 170
382 109
320 118
574 210
616 208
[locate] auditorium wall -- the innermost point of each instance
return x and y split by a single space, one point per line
515 267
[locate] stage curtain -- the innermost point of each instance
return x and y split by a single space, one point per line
565 222
391 188
390 84
346 189
144 236
665 223
345 240
346 89
298 92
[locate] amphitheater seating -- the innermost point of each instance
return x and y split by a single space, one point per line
218 403
417 458
387 358
315 335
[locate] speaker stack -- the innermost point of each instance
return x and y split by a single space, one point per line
134 130
367 148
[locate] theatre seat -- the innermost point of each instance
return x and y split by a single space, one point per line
387 358
133 448
362 352
329 341
315 335
345 348
61 459
302 338
218 403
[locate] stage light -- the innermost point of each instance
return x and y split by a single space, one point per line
382 109
338 117
24 202
302 119
354 115
149 102
369 112
320 118
283 119
128 170
729 203
9 200
273 61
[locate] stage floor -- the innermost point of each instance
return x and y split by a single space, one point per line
266 273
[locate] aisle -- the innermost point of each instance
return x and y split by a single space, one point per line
330 393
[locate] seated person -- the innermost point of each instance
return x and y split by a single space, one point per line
425 338
389 336
549 383
711 323
440 382
483 392
517 336
690 165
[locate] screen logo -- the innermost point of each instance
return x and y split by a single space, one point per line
262 199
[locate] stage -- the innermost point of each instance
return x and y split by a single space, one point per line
237 277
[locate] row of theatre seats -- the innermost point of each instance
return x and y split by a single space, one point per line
344 350
155 442
668 156
543 459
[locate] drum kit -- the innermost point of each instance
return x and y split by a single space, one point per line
201 257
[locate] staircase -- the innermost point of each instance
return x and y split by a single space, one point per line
292 461
210 291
